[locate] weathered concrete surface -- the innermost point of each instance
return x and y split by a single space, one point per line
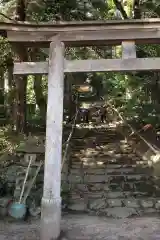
84 227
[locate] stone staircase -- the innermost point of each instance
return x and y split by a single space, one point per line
106 177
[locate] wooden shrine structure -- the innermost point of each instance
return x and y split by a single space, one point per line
127 33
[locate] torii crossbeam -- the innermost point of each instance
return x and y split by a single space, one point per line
84 33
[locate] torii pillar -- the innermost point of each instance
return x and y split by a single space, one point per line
51 201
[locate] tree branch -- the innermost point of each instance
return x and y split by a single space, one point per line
120 8
136 9
2 14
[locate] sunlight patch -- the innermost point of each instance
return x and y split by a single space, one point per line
155 158
99 163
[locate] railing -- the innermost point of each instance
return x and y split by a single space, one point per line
67 143
155 150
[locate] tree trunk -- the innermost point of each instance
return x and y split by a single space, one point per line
68 99
154 88
10 90
119 6
20 81
20 11
40 99
136 9
36 55
21 85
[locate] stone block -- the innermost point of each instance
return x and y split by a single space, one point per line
131 203
116 179
113 166
89 164
119 171
106 187
143 169
95 171
157 192
75 171
112 161
75 179
3 212
81 187
114 194
96 187
147 203
143 186
149 210
131 155
21 174
97 204
35 211
114 187
95 195
128 186
118 155
136 177
114 203
120 212
78 206
75 196
72 186
157 205
95 178
76 165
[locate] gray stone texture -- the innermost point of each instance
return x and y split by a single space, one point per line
112 178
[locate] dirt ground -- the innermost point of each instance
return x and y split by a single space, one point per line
84 227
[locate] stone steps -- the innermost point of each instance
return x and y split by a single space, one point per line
139 186
99 161
109 170
100 168
118 208
107 177
123 189
120 202
119 166
107 195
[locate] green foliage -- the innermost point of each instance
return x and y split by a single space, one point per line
135 94
30 91
5 53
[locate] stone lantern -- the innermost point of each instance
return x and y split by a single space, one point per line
30 149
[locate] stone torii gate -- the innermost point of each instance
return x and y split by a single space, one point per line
125 33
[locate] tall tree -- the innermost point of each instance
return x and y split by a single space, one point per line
20 82
120 7
136 9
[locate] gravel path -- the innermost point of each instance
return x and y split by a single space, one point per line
84 227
